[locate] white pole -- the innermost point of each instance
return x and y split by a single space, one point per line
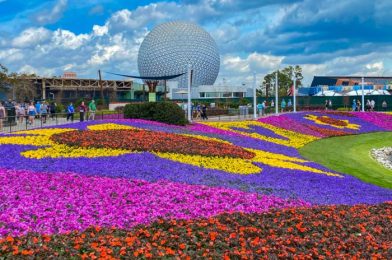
189 94
294 96
276 93
254 96
363 94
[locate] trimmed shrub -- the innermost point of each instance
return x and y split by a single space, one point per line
164 112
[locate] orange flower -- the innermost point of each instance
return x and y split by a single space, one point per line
27 252
213 235
182 246
9 239
170 251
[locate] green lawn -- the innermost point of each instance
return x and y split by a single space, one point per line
351 155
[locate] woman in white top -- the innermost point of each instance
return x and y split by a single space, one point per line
21 113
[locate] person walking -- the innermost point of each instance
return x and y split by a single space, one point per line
52 110
354 105
260 109
326 104
38 109
32 112
372 105
44 112
92 108
368 105
204 112
283 105
21 112
358 105
263 108
2 115
198 111
384 105
70 112
82 110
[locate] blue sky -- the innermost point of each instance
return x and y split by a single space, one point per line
325 37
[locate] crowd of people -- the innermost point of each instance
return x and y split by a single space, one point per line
369 106
85 112
42 110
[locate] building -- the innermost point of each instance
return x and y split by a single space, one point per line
67 88
69 75
170 48
349 81
347 86
211 91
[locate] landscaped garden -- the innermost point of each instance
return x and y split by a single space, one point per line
299 184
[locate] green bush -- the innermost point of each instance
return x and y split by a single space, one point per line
164 112
60 108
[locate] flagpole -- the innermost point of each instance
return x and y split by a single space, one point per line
254 96
294 97
276 92
363 94
189 93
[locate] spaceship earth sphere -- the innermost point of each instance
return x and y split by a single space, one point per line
170 47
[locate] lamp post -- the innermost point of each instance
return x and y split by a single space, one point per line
363 94
254 96
294 97
52 94
276 92
189 93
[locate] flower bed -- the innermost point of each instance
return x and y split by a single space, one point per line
129 177
324 232
142 140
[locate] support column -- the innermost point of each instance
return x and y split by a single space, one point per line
43 89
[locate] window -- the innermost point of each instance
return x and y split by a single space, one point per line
212 94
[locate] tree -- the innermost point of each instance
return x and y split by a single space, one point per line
22 85
284 78
3 76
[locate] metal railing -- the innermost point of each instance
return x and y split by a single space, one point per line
20 123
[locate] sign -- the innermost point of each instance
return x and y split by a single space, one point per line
152 97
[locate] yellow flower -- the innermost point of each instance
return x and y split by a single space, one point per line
294 139
46 148
315 119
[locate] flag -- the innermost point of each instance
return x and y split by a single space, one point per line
290 90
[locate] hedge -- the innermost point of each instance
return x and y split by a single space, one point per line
164 112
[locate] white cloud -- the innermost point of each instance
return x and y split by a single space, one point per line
113 46
100 30
236 70
254 62
69 40
48 17
31 37
11 55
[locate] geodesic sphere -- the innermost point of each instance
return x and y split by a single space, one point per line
170 47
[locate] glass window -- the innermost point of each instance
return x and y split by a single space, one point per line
212 94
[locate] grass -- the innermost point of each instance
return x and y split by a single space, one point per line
351 155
